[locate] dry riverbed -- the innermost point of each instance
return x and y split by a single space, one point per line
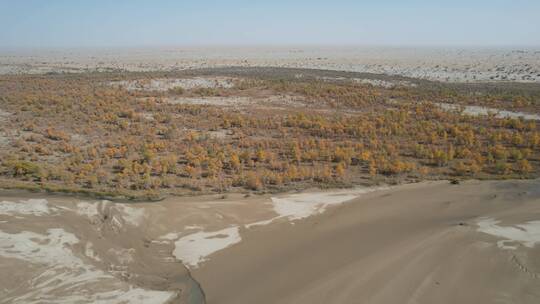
422 241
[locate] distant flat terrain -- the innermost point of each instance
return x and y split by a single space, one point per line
465 64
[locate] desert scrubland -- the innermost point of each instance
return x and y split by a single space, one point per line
148 135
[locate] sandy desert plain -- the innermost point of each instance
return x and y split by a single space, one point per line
270 175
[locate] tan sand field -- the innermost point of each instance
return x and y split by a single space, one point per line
412 244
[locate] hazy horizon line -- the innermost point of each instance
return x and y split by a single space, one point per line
264 45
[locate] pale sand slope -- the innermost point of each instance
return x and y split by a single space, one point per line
410 244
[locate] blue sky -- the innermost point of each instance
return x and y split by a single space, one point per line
126 23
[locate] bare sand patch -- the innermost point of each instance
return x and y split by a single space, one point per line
71 251
299 206
215 101
374 82
385 83
526 234
4 138
119 213
302 205
195 248
219 134
479 110
4 115
36 207
165 84
65 277
273 101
